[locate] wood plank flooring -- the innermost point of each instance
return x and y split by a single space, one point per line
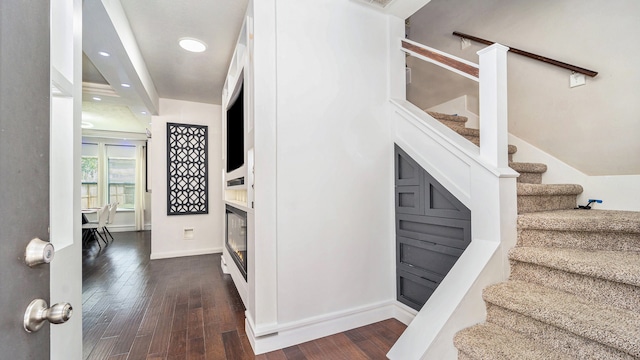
185 308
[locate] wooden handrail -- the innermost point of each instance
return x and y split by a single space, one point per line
531 55
460 66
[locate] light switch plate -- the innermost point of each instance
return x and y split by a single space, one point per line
577 79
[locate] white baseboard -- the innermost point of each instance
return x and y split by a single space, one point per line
223 265
403 313
181 253
289 334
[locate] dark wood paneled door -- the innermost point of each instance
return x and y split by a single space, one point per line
24 170
433 229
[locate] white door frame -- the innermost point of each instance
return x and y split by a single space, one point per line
65 155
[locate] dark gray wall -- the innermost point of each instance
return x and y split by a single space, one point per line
433 228
24 170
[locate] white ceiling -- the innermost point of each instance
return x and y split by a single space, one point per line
179 74
153 28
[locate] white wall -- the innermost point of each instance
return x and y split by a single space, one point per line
335 209
432 85
593 128
167 238
333 164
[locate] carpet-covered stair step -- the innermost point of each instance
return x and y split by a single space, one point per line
575 325
470 134
452 121
581 229
491 342
530 173
611 277
475 140
457 124
473 133
511 149
546 197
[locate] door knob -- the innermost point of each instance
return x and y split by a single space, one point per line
37 312
38 252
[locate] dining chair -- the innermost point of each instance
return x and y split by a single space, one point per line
112 214
95 227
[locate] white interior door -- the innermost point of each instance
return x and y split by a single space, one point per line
65 145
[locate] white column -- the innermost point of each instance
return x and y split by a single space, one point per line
493 105
263 269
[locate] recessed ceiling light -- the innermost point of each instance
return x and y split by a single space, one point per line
144 113
86 125
104 53
97 98
193 45
125 85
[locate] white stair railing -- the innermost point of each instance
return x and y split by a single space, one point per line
481 179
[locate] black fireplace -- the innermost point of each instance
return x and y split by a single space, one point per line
236 237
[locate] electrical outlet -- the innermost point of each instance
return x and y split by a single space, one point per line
577 79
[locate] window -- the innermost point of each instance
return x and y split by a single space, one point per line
122 181
121 175
89 165
109 175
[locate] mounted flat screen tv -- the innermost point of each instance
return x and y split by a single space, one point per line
235 130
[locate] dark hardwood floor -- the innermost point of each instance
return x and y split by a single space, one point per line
186 308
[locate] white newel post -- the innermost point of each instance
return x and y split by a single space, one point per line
493 105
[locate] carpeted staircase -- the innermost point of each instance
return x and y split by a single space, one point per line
574 288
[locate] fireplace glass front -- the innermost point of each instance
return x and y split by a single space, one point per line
236 239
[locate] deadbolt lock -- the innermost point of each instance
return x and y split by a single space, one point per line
38 252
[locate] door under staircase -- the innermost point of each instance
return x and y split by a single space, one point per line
433 229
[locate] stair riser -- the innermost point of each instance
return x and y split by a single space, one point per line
530 178
623 296
562 340
579 240
535 203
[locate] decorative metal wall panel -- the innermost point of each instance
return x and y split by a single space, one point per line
187 170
